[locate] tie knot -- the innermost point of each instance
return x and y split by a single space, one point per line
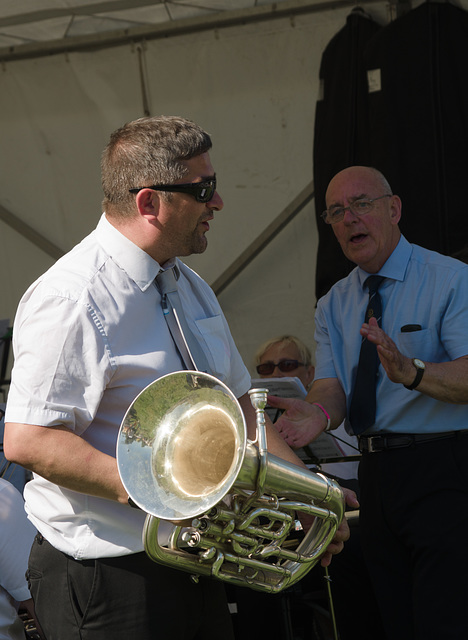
166 281
373 283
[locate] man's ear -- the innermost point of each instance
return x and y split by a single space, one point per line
147 202
395 209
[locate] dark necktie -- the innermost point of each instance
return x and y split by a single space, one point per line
187 344
363 402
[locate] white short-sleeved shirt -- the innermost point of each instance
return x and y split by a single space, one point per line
16 537
88 337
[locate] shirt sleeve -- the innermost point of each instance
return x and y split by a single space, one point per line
61 363
454 323
324 367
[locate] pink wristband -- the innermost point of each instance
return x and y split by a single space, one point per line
327 428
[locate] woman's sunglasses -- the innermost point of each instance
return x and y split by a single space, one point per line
286 366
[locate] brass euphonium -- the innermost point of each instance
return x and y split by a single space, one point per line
184 457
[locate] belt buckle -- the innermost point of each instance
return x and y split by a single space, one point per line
375 444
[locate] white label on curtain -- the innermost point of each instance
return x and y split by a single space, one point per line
373 80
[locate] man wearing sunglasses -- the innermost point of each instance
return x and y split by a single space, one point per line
89 336
414 442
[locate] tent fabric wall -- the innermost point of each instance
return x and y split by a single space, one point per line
254 88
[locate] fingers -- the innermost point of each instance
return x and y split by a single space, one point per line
373 332
350 498
296 435
280 403
282 426
335 547
294 439
337 544
342 533
332 550
326 559
393 361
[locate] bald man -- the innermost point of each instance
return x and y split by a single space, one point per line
415 447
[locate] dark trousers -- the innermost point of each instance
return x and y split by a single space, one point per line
414 527
356 611
123 598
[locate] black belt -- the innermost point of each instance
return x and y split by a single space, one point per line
374 444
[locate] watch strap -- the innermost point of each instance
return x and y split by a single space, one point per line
417 380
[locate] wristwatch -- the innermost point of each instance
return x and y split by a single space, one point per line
420 369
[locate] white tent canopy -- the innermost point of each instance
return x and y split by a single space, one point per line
55 23
73 71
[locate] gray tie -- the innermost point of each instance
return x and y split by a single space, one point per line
187 344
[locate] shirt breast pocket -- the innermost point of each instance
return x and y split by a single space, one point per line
417 344
216 345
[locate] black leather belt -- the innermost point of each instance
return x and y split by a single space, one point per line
374 444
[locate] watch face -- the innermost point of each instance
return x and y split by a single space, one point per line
419 363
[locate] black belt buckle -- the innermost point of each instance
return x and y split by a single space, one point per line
375 444
371 444
379 443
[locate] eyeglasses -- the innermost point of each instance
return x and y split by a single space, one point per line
286 366
201 191
358 207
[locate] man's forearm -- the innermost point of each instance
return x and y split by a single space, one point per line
62 457
444 381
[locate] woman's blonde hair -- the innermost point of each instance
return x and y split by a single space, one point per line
304 351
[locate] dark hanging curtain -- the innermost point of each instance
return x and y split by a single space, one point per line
398 100
341 136
419 121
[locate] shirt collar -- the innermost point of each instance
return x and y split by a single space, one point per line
136 263
396 265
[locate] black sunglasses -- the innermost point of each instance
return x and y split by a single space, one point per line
201 191
267 368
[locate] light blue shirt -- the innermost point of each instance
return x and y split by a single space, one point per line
421 288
